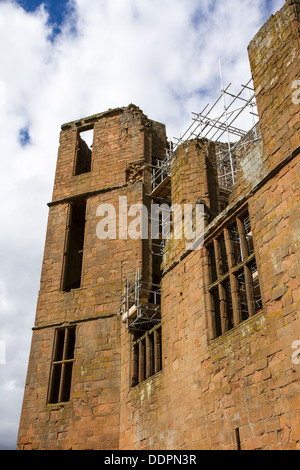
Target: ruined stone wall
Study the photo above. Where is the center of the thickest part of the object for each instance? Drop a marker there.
(274, 59)
(124, 140)
(210, 390)
(91, 419)
(193, 181)
(244, 379)
(243, 383)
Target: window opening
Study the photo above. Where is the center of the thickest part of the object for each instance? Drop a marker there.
(248, 234)
(146, 354)
(62, 365)
(83, 159)
(74, 246)
(232, 278)
(228, 304)
(237, 439)
(223, 256)
(256, 287)
(236, 244)
(212, 263)
(216, 308)
(242, 296)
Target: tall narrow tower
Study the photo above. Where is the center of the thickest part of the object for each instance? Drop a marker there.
(72, 394)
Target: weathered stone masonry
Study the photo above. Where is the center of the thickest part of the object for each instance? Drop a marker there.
(217, 390)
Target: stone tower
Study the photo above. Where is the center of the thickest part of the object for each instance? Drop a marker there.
(72, 395)
(135, 347)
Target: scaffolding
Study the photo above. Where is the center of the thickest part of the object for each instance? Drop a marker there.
(161, 177)
(226, 123)
(223, 123)
(140, 304)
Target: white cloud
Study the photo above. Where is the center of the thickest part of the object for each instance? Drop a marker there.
(161, 55)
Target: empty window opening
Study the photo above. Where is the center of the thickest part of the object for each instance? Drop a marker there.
(216, 308)
(212, 263)
(237, 439)
(73, 254)
(62, 365)
(146, 355)
(242, 295)
(227, 305)
(222, 257)
(84, 151)
(232, 278)
(236, 244)
(256, 287)
(248, 234)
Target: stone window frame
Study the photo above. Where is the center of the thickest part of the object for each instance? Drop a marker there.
(78, 204)
(233, 291)
(146, 355)
(62, 362)
(77, 154)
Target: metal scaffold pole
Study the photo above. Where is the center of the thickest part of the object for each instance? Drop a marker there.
(226, 120)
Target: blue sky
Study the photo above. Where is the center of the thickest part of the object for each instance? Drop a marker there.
(57, 10)
(61, 62)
